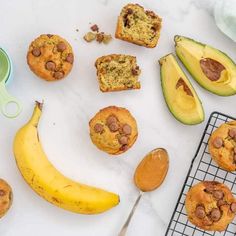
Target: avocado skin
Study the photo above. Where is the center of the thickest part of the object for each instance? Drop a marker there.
(231, 92)
(178, 117)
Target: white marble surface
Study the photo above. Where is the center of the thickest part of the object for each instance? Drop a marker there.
(70, 103)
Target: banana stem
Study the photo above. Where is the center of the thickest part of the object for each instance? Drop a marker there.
(36, 114)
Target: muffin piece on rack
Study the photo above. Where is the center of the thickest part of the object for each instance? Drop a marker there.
(222, 146)
(210, 205)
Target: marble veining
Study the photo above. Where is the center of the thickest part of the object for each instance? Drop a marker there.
(70, 103)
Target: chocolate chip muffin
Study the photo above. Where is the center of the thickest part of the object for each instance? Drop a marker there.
(50, 57)
(5, 197)
(117, 72)
(222, 146)
(113, 130)
(210, 206)
(138, 26)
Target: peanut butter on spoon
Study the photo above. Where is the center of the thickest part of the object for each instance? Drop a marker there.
(152, 170)
(148, 176)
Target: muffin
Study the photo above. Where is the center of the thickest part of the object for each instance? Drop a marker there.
(50, 57)
(222, 146)
(117, 72)
(5, 197)
(138, 26)
(113, 130)
(210, 206)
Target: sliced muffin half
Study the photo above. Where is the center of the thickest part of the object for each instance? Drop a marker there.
(117, 72)
(138, 26)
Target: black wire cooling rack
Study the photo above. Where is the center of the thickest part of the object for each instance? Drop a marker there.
(202, 168)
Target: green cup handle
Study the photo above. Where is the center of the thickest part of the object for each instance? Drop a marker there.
(5, 100)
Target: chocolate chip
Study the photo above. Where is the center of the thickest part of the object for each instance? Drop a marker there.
(36, 52)
(233, 207)
(218, 194)
(215, 214)
(98, 128)
(200, 212)
(100, 37)
(70, 58)
(209, 188)
(50, 35)
(151, 13)
(94, 28)
(124, 147)
(135, 71)
(211, 68)
(123, 140)
(126, 21)
(111, 119)
(218, 142)
(210, 185)
(129, 11)
(232, 132)
(155, 27)
(61, 47)
(221, 203)
(50, 65)
(58, 75)
(113, 127)
(2, 193)
(235, 150)
(126, 129)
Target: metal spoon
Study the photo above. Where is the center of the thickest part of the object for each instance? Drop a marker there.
(149, 175)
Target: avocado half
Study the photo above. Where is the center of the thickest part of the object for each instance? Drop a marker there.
(211, 68)
(179, 94)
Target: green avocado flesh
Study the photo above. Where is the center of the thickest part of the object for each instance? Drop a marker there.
(211, 68)
(180, 96)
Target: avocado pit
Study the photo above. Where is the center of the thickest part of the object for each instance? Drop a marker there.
(211, 68)
(180, 83)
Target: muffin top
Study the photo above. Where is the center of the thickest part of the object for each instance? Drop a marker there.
(222, 146)
(210, 205)
(50, 57)
(113, 130)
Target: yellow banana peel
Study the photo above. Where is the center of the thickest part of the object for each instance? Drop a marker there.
(48, 182)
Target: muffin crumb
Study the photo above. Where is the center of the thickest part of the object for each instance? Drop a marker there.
(89, 37)
(94, 28)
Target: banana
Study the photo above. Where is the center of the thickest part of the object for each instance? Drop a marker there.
(48, 182)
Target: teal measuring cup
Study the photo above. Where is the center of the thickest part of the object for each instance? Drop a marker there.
(6, 100)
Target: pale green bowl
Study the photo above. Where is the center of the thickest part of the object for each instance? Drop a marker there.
(6, 100)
